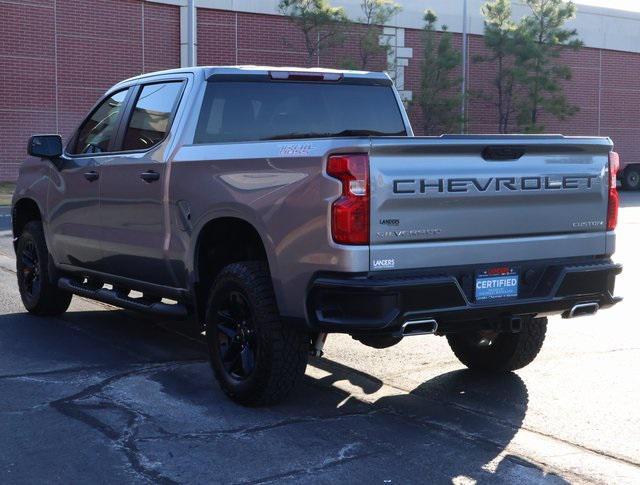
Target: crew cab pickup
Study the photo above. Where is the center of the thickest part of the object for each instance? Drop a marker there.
(278, 205)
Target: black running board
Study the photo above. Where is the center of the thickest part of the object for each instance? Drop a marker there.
(112, 297)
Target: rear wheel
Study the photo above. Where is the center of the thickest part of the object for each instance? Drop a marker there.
(38, 294)
(499, 352)
(256, 358)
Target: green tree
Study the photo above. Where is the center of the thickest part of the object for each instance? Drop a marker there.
(321, 24)
(501, 36)
(375, 13)
(544, 37)
(439, 95)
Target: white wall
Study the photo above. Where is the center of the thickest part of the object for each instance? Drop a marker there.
(598, 27)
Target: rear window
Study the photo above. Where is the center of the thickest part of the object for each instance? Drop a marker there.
(251, 111)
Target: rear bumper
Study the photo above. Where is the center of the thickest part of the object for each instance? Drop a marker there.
(370, 304)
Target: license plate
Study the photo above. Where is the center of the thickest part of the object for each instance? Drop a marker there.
(492, 284)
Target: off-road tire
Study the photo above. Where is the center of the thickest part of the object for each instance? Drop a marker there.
(631, 178)
(508, 351)
(282, 351)
(43, 298)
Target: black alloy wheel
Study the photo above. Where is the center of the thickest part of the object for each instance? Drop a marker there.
(255, 356)
(29, 272)
(40, 295)
(236, 335)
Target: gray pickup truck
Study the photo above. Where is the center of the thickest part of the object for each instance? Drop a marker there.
(279, 205)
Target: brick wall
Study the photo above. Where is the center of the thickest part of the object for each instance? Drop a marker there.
(58, 56)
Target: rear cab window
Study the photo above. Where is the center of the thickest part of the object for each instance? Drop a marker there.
(243, 111)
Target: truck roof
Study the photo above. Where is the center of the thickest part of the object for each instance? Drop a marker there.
(209, 71)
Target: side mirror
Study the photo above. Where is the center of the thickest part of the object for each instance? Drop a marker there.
(45, 146)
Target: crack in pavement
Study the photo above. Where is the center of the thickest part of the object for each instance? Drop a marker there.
(66, 370)
(124, 440)
(127, 439)
(298, 472)
(245, 431)
(74, 370)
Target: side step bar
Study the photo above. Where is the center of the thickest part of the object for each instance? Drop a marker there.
(112, 297)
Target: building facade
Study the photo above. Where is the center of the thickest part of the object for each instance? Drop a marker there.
(58, 56)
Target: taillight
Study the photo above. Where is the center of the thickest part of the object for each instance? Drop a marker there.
(614, 199)
(350, 212)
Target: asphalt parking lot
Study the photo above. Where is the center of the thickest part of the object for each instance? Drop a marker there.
(104, 395)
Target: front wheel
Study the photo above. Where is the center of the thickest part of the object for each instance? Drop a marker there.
(499, 352)
(39, 295)
(256, 358)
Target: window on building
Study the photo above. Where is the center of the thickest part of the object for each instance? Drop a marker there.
(151, 115)
(99, 128)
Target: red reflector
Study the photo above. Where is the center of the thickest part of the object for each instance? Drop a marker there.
(614, 198)
(498, 271)
(350, 212)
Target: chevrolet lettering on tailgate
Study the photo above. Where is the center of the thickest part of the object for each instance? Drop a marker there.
(493, 184)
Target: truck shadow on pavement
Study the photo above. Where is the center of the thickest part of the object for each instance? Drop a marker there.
(476, 415)
(126, 386)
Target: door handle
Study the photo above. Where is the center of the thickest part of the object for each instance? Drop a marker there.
(91, 176)
(150, 176)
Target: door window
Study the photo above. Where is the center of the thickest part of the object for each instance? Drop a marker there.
(98, 130)
(151, 116)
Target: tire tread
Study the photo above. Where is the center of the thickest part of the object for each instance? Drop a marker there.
(288, 348)
(52, 301)
(511, 352)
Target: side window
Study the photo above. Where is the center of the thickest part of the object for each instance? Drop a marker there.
(151, 115)
(96, 132)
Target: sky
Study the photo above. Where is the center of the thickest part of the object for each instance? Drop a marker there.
(633, 5)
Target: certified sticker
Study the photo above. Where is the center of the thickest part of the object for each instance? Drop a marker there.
(497, 283)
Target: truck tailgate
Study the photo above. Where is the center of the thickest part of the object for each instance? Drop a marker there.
(467, 191)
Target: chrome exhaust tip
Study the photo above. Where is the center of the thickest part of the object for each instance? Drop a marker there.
(419, 327)
(581, 310)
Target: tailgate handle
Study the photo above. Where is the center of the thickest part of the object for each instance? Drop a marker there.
(503, 153)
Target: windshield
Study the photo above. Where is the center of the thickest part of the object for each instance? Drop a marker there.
(251, 111)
